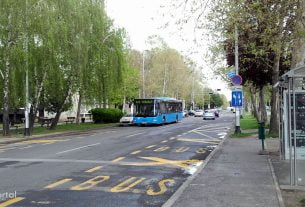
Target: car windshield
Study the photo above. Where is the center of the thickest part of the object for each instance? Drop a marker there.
(128, 115)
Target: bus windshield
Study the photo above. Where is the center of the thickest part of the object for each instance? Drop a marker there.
(143, 110)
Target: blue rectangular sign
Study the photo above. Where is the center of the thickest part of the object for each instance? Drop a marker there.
(237, 98)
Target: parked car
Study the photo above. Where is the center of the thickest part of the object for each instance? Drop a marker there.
(199, 113)
(216, 113)
(209, 115)
(126, 120)
(191, 112)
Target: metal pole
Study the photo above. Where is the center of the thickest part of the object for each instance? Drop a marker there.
(289, 131)
(143, 76)
(26, 111)
(294, 135)
(237, 116)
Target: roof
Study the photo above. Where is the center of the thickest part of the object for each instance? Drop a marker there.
(298, 72)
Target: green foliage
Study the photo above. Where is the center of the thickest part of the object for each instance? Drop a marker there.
(248, 122)
(106, 115)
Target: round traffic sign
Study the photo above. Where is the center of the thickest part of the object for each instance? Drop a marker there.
(236, 80)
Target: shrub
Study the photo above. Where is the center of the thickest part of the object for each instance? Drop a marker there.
(106, 115)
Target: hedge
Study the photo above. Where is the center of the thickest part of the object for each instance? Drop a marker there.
(106, 115)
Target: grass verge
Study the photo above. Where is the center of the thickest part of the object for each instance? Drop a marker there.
(242, 135)
(72, 127)
(248, 122)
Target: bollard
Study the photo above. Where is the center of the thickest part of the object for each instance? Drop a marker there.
(261, 133)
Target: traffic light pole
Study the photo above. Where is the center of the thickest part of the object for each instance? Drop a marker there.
(237, 109)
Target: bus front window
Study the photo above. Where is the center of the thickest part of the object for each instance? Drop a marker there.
(144, 110)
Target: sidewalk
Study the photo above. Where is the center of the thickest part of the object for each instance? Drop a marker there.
(236, 176)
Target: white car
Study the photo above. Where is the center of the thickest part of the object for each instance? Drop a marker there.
(209, 115)
(126, 120)
(199, 113)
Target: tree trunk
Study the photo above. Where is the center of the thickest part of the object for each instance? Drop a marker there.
(78, 107)
(263, 112)
(60, 110)
(274, 121)
(298, 52)
(253, 103)
(6, 104)
(6, 82)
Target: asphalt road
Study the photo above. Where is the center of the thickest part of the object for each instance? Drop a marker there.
(113, 167)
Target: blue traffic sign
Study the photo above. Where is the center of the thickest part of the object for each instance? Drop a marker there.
(236, 80)
(237, 98)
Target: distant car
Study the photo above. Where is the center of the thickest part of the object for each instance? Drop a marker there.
(209, 115)
(126, 120)
(185, 113)
(191, 112)
(216, 113)
(199, 113)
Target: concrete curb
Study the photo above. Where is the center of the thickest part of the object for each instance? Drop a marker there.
(171, 201)
(55, 134)
(277, 186)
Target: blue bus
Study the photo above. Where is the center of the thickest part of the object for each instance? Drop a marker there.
(156, 111)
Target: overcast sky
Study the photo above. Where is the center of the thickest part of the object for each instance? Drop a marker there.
(144, 18)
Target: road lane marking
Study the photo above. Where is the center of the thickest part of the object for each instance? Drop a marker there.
(172, 138)
(151, 146)
(136, 152)
(27, 147)
(90, 183)
(162, 186)
(78, 148)
(157, 161)
(201, 151)
(203, 134)
(164, 141)
(37, 141)
(118, 159)
(60, 182)
(182, 149)
(130, 182)
(11, 201)
(199, 140)
(133, 135)
(161, 149)
(93, 169)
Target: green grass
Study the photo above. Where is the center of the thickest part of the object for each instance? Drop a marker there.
(302, 202)
(71, 127)
(248, 122)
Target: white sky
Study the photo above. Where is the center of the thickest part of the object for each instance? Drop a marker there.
(144, 18)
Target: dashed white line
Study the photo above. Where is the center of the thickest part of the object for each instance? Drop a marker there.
(132, 135)
(78, 148)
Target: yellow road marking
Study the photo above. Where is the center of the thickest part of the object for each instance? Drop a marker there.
(160, 161)
(162, 187)
(135, 152)
(130, 182)
(42, 141)
(161, 149)
(11, 201)
(151, 146)
(164, 141)
(201, 151)
(118, 159)
(93, 169)
(198, 140)
(60, 182)
(90, 183)
(182, 149)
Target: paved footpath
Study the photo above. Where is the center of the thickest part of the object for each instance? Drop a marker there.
(235, 176)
